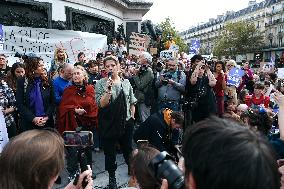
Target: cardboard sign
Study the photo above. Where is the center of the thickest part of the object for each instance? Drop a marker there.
(43, 43)
(235, 77)
(267, 67)
(3, 132)
(167, 54)
(153, 51)
(138, 43)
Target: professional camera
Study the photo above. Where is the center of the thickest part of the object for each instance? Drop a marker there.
(167, 77)
(163, 167)
(143, 69)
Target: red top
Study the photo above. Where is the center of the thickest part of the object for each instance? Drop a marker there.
(252, 100)
(218, 88)
(71, 99)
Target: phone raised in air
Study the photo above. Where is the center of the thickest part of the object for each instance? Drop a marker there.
(82, 138)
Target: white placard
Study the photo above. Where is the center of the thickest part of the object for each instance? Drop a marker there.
(138, 43)
(3, 131)
(280, 73)
(166, 54)
(43, 42)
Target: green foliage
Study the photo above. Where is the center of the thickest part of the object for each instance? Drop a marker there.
(238, 38)
(168, 29)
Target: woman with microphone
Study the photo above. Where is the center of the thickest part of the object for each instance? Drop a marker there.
(116, 101)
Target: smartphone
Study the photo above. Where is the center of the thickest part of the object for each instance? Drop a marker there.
(82, 138)
(142, 143)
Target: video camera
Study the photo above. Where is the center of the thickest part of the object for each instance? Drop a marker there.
(163, 167)
(25, 56)
(79, 139)
(167, 77)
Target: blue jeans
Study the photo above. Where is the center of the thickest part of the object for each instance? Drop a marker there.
(173, 105)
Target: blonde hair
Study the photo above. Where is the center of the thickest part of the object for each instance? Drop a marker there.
(56, 52)
(85, 74)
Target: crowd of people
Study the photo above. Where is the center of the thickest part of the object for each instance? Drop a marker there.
(123, 98)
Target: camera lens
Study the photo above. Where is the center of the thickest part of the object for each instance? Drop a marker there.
(164, 167)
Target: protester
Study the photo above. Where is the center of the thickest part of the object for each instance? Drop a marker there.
(115, 98)
(41, 154)
(219, 73)
(143, 84)
(77, 111)
(35, 97)
(171, 85)
(161, 130)
(17, 71)
(62, 81)
(200, 95)
(93, 72)
(81, 60)
(8, 106)
(258, 98)
(4, 69)
(60, 58)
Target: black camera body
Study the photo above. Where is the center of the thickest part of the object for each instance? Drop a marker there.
(163, 167)
(143, 69)
(167, 77)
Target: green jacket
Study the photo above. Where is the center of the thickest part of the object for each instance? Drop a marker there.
(143, 83)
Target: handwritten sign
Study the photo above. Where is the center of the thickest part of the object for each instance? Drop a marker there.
(3, 132)
(43, 43)
(267, 67)
(166, 54)
(235, 77)
(174, 47)
(138, 43)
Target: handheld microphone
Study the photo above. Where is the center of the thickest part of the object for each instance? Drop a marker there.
(109, 77)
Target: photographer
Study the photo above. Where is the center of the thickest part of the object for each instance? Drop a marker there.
(33, 160)
(201, 98)
(171, 85)
(143, 84)
(161, 130)
(217, 151)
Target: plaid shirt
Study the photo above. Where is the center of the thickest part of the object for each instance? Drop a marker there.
(7, 100)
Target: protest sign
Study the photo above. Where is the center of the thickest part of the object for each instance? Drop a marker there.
(43, 43)
(153, 51)
(280, 73)
(138, 43)
(3, 132)
(235, 77)
(174, 47)
(166, 54)
(267, 67)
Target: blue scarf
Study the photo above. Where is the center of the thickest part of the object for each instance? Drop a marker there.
(36, 101)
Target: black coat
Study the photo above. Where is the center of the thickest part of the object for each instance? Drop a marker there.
(155, 130)
(26, 113)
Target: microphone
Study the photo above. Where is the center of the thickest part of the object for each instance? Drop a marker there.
(109, 77)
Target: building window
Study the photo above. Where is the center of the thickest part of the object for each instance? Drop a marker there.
(280, 42)
(270, 42)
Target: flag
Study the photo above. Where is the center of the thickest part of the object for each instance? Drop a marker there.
(194, 46)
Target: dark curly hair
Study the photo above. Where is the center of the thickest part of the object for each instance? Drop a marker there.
(31, 65)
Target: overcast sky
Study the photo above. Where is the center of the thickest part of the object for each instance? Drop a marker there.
(185, 13)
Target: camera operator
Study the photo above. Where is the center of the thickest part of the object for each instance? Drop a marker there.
(34, 159)
(161, 130)
(142, 84)
(201, 98)
(219, 153)
(171, 85)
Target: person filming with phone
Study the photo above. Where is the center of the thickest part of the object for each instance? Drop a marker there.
(34, 159)
(77, 112)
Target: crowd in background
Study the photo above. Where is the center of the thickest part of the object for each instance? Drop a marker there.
(118, 95)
